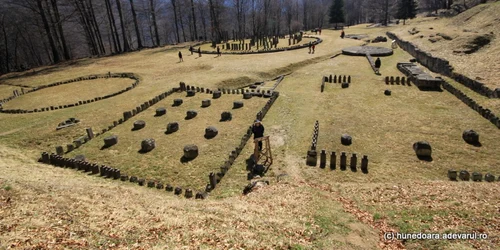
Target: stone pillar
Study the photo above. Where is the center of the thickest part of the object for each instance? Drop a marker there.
(59, 150)
(364, 164)
(213, 180)
(90, 134)
(322, 162)
(343, 161)
(354, 162)
(312, 158)
(333, 160)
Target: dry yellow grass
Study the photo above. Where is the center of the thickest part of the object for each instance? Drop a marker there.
(311, 209)
(7, 91)
(69, 93)
(72, 210)
(482, 65)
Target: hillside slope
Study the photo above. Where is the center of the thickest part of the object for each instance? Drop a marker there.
(469, 41)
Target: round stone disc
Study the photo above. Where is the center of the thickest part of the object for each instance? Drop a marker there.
(362, 50)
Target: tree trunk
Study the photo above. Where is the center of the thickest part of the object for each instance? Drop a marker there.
(137, 33)
(55, 53)
(97, 30)
(182, 27)
(61, 31)
(112, 33)
(126, 46)
(203, 21)
(89, 35)
(176, 21)
(194, 20)
(6, 42)
(155, 25)
(112, 25)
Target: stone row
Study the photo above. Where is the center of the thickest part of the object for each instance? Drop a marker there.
(50, 108)
(113, 173)
(269, 50)
(484, 112)
(312, 160)
(215, 178)
(337, 79)
(397, 80)
(192, 90)
(464, 175)
(443, 67)
(278, 81)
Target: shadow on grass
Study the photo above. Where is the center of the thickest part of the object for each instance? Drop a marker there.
(186, 160)
(425, 158)
(426, 89)
(477, 144)
(105, 147)
(208, 137)
(141, 151)
(135, 129)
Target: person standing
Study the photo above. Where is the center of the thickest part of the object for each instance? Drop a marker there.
(218, 51)
(191, 49)
(180, 57)
(378, 63)
(258, 132)
(342, 34)
(310, 46)
(199, 51)
(313, 48)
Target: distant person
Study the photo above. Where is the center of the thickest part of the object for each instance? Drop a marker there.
(313, 48)
(310, 47)
(199, 51)
(218, 51)
(258, 132)
(378, 63)
(320, 31)
(191, 49)
(180, 57)
(342, 34)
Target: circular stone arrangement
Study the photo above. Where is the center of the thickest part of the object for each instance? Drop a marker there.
(269, 50)
(78, 103)
(363, 50)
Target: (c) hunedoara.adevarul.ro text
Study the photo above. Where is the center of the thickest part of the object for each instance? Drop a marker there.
(435, 236)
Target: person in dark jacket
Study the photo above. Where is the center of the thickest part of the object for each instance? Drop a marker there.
(180, 57)
(191, 49)
(258, 132)
(199, 51)
(218, 51)
(378, 63)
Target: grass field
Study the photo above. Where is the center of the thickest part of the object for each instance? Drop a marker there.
(69, 93)
(311, 208)
(164, 162)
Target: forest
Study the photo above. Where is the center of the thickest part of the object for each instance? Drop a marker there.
(42, 32)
